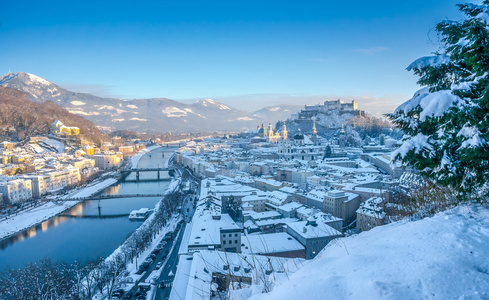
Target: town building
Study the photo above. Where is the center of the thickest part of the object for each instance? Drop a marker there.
(371, 214)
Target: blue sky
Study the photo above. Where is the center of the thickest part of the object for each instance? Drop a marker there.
(248, 54)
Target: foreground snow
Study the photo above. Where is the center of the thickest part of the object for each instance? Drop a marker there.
(443, 257)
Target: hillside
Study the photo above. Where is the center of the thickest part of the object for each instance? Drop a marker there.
(21, 118)
(442, 257)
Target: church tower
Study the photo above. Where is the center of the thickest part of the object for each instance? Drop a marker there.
(314, 136)
(284, 133)
(342, 138)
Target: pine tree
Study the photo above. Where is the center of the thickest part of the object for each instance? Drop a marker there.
(446, 124)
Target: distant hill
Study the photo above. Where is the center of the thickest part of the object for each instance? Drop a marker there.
(21, 118)
(277, 112)
(141, 115)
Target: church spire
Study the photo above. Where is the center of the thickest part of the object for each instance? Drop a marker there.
(314, 131)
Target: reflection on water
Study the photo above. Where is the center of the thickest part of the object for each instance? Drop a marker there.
(89, 230)
(112, 190)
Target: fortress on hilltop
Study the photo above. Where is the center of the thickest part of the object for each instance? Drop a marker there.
(310, 111)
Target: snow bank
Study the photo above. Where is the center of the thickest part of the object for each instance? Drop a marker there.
(92, 189)
(443, 257)
(32, 217)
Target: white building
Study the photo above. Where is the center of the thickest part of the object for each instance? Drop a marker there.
(16, 190)
(106, 161)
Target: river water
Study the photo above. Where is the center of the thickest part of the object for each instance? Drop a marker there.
(90, 229)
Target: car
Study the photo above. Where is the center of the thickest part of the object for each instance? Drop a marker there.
(128, 295)
(141, 297)
(139, 293)
(158, 265)
(152, 256)
(118, 293)
(167, 252)
(162, 285)
(156, 250)
(143, 286)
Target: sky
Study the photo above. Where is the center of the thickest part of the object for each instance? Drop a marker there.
(247, 54)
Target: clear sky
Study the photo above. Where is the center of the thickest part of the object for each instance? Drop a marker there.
(247, 54)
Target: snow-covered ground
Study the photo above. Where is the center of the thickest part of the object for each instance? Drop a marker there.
(46, 211)
(136, 157)
(92, 189)
(443, 257)
(53, 145)
(32, 217)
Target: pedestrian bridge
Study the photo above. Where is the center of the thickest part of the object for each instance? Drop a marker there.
(106, 197)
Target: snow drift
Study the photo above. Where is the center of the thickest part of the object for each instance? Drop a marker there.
(443, 257)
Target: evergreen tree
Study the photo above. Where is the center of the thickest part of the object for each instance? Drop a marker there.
(327, 152)
(446, 124)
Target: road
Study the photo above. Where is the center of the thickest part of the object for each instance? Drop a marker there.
(171, 265)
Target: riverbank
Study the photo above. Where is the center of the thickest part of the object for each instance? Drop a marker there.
(40, 214)
(136, 157)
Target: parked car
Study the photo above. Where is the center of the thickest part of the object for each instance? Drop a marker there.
(158, 265)
(139, 293)
(128, 295)
(118, 293)
(141, 297)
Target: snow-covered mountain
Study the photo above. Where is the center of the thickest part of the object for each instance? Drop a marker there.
(143, 115)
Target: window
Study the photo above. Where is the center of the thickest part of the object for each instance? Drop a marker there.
(235, 241)
(235, 234)
(224, 242)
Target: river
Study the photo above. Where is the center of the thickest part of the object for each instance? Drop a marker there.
(91, 229)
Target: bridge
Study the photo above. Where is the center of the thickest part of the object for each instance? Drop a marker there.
(106, 197)
(95, 216)
(139, 170)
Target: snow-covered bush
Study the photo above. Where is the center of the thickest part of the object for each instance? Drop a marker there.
(446, 124)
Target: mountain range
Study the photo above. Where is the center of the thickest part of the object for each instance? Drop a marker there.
(145, 115)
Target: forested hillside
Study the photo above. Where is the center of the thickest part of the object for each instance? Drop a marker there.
(21, 118)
